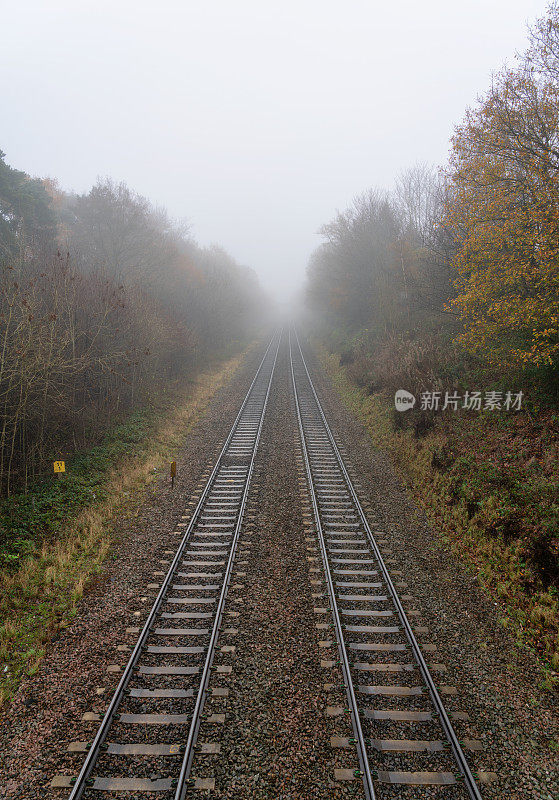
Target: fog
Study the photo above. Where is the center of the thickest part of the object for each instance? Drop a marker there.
(254, 121)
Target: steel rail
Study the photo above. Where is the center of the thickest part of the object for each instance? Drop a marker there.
(457, 751)
(81, 782)
(344, 659)
(202, 691)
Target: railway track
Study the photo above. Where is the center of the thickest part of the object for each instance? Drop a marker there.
(402, 734)
(147, 738)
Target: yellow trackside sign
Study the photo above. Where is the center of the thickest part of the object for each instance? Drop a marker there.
(59, 466)
(173, 468)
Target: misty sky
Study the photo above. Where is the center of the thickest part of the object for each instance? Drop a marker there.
(254, 120)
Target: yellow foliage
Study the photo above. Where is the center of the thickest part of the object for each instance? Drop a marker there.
(503, 209)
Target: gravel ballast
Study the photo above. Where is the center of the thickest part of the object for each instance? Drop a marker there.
(275, 742)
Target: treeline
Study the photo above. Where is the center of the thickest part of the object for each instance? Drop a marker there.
(449, 286)
(104, 303)
(470, 251)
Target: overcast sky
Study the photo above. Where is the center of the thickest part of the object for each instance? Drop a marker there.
(254, 120)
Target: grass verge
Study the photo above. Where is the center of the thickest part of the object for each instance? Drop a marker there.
(490, 500)
(61, 532)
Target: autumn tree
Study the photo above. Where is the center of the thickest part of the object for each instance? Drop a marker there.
(424, 248)
(504, 211)
(115, 230)
(384, 265)
(355, 277)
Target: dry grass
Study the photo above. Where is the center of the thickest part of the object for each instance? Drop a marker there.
(43, 594)
(529, 609)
